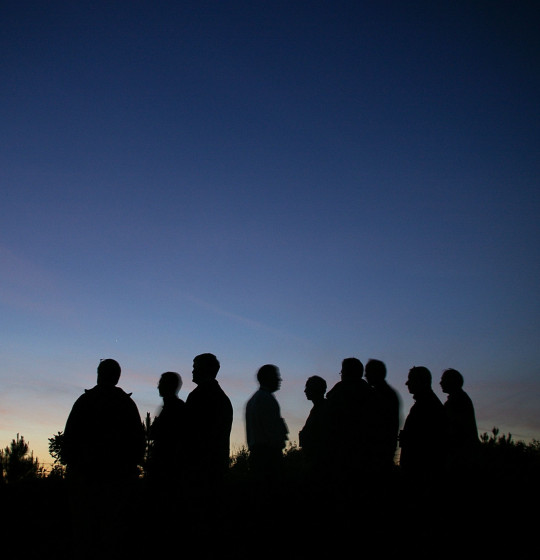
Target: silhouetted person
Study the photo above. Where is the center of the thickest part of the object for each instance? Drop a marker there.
(266, 430)
(209, 418)
(103, 446)
(387, 405)
(166, 466)
(423, 437)
(463, 442)
(104, 424)
(463, 448)
(168, 433)
(313, 437)
(266, 434)
(350, 410)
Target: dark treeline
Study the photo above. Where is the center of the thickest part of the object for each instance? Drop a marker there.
(354, 484)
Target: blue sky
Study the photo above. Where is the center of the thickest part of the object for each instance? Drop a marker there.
(273, 182)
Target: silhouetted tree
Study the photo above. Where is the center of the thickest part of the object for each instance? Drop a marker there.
(504, 458)
(58, 470)
(239, 460)
(148, 443)
(55, 448)
(17, 464)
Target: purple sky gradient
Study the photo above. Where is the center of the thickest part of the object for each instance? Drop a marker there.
(273, 182)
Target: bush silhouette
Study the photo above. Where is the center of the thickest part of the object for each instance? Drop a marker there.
(17, 463)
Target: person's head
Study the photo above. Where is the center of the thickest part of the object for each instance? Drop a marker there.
(352, 369)
(375, 372)
(315, 388)
(269, 377)
(451, 381)
(169, 384)
(108, 372)
(205, 368)
(419, 380)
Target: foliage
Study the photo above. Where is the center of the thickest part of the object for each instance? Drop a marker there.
(506, 443)
(55, 448)
(148, 444)
(502, 456)
(17, 464)
(58, 470)
(238, 462)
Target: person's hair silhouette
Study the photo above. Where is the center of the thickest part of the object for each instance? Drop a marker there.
(108, 372)
(451, 381)
(419, 380)
(269, 377)
(375, 372)
(315, 388)
(352, 369)
(205, 368)
(169, 384)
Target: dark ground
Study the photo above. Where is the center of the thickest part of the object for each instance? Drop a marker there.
(495, 517)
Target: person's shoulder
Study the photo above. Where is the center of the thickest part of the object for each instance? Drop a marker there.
(193, 394)
(177, 407)
(391, 393)
(365, 388)
(219, 388)
(218, 391)
(118, 394)
(252, 398)
(320, 408)
(81, 404)
(387, 388)
(335, 390)
(434, 404)
(174, 403)
(89, 393)
(260, 395)
(87, 396)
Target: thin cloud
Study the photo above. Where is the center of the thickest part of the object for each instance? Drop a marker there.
(256, 325)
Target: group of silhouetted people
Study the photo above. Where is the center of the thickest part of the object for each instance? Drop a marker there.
(353, 429)
(104, 444)
(351, 435)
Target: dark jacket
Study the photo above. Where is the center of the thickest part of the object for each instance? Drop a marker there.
(168, 435)
(313, 437)
(463, 442)
(209, 417)
(104, 436)
(423, 437)
(351, 423)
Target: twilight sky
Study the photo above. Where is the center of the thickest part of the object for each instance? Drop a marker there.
(273, 182)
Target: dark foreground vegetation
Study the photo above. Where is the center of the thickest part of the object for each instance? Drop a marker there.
(490, 512)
